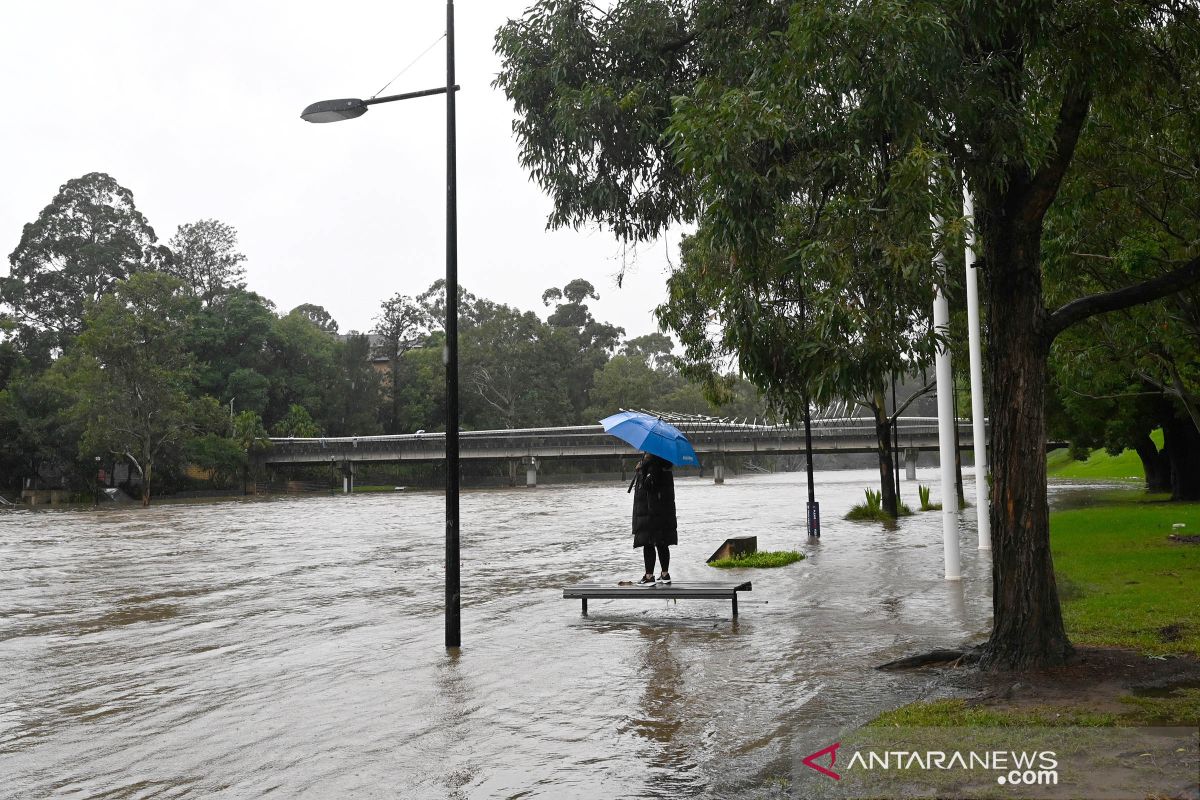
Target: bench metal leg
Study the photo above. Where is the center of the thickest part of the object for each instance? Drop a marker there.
(735, 605)
(585, 606)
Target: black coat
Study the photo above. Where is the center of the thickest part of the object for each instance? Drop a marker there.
(654, 520)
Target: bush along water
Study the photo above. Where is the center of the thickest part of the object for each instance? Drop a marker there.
(923, 492)
(873, 509)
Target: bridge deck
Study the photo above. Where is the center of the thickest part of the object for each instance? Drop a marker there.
(681, 590)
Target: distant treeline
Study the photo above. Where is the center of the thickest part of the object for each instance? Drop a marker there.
(115, 348)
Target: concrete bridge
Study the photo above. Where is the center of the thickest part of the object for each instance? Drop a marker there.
(712, 439)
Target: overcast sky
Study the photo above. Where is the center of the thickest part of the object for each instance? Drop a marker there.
(194, 106)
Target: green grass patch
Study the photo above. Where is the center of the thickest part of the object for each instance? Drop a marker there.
(1099, 465)
(1178, 707)
(957, 714)
(1175, 707)
(872, 509)
(763, 559)
(1126, 584)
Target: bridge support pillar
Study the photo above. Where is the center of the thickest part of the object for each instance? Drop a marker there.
(719, 472)
(910, 463)
(531, 469)
(347, 477)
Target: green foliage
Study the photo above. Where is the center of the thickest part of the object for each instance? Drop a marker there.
(204, 256)
(1097, 464)
(131, 375)
(298, 423)
(923, 493)
(873, 509)
(89, 236)
(318, 316)
(249, 433)
(760, 560)
(224, 458)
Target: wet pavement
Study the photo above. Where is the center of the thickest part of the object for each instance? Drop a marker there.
(294, 647)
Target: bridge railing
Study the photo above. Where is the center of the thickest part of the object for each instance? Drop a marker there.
(705, 436)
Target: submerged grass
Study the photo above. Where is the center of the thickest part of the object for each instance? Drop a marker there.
(872, 509)
(763, 559)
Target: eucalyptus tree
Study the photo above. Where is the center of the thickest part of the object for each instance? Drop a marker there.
(513, 378)
(132, 374)
(588, 341)
(401, 325)
(89, 236)
(205, 257)
(724, 113)
(303, 372)
(317, 315)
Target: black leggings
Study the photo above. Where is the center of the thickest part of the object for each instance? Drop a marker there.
(664, 557)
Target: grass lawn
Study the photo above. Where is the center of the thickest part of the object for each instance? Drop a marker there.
(1122, 582)
(1099, 464)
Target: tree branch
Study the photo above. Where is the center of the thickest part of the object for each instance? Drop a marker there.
(1144, 292)
(929, 387)
(1043, 188)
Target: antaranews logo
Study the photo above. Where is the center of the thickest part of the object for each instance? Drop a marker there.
(1013, 768)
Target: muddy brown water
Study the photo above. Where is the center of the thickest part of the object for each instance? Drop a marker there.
(294, 647)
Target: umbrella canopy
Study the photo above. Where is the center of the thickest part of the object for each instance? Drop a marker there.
(651, 435)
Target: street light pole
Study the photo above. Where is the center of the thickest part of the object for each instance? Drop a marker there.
(453, 622)
(350, 108)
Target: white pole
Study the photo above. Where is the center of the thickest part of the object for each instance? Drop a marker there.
(982, 491)
(946, 431)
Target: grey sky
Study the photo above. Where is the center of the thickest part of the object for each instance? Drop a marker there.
(194, 106)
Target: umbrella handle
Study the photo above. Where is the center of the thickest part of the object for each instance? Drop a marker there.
(631, 483)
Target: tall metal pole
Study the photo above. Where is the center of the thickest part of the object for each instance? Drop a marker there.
(895, 443)
(979, 432)
(814, 508)
(946, 426)
(453, 621)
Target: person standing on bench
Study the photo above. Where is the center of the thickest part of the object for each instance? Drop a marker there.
(655, 527)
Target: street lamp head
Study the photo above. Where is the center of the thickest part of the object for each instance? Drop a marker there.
(334, 110)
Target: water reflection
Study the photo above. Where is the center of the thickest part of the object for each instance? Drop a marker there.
(293, 647)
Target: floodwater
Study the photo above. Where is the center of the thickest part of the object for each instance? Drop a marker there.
(294, 647)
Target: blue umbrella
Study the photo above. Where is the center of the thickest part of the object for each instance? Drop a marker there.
(651, 435)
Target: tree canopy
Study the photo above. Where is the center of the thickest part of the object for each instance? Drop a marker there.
(797, 136)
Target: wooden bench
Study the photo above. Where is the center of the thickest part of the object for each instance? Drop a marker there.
(680, 590)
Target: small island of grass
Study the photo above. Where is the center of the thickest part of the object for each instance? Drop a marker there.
(873, 509)
(766, 558)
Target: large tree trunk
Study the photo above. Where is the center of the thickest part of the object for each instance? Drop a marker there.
(1181, 443)
(883, 447)
(1027, 626)
(1155, 464)
(146, 485)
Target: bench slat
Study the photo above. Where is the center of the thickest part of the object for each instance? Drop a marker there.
(680, 590)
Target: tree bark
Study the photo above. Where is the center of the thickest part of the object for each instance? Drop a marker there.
(1155, 464)
(1027, 626)
(146, 485)
(883, 447)
(1181, 443)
